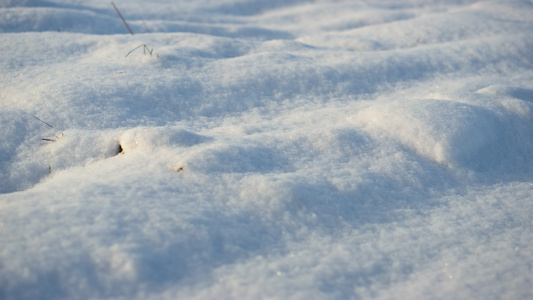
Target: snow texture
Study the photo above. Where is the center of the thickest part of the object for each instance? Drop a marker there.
(248, 149)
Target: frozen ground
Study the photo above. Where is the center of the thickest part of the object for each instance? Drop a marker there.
(266, 150)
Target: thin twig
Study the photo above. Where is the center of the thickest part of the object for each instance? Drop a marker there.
(121, 17)
(42, 121)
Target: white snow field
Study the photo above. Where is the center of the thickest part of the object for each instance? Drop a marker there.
(251, 149)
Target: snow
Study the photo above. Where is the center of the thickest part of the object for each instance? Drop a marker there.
(266, 149)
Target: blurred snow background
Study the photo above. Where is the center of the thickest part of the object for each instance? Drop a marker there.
(266, 150)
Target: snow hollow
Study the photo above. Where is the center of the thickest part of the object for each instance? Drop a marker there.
(247, 149)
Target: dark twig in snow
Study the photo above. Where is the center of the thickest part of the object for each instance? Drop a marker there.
(121, 17)
(42, 121)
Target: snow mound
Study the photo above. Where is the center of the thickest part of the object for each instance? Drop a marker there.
(449, 133)
(509, 91)
(29, 158)
(517, 100)
(152, 138)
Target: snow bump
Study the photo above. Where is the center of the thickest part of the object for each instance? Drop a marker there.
(450, 133)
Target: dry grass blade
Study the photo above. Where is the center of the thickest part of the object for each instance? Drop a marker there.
(145, 49)
(121, 17)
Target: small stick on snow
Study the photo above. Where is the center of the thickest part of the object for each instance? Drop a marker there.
(42, 121)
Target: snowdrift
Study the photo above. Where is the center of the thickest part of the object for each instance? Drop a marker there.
(245, 149)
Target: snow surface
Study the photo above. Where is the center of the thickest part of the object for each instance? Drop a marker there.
(266, 149)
